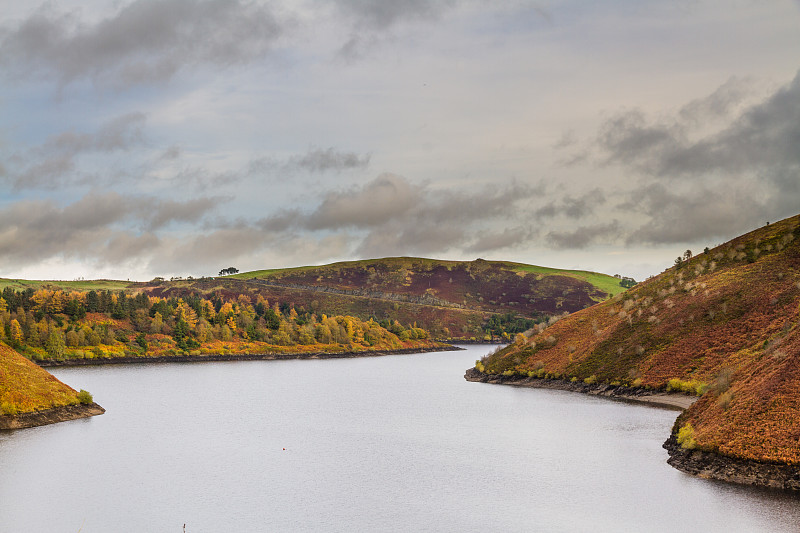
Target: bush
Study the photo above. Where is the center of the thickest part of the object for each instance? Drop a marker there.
(686, 437)
(7, 408)
(84, 397)
(591, 380)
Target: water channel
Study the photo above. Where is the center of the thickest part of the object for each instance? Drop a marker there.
(394, 443)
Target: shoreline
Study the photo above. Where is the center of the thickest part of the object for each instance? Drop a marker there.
(669, 400)
(695, 462)
(51, 363)
(49, 416)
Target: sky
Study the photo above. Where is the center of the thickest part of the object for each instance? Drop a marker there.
(175, 138)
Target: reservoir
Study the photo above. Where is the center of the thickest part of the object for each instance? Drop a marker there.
(394, 443)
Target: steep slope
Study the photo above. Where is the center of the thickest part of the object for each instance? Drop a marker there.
(724, 324)
(31, 396)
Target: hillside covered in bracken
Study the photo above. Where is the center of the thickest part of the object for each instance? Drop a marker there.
(723, 324)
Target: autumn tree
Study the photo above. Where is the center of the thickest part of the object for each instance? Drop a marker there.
(15, 332)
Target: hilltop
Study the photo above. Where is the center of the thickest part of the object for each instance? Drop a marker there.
(723, 325)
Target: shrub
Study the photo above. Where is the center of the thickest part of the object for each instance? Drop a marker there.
(686, 437)
(84, 397)
(591, 380)
(7, 408)
(724, 399)
(479, 366)
(692, 387)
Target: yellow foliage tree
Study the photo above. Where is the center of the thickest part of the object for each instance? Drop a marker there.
(16, 331)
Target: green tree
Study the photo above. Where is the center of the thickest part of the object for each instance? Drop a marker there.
(55, 345)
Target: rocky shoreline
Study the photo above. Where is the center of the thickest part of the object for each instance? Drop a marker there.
(50, 416)
(675, 401)
(704, 464)
(239, 357)
(710, 465)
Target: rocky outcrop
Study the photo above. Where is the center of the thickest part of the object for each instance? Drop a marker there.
(50, 416)
(712, 465)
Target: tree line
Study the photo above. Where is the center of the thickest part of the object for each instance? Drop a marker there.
(56, 320)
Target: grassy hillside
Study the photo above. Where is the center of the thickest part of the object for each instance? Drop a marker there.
(724, 325)
(79, 285)
(25, 387)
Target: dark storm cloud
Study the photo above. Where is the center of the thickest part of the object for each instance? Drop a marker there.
(584, 236)
(145, 41)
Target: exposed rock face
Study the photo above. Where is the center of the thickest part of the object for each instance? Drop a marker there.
(711, 465)
(50, 416)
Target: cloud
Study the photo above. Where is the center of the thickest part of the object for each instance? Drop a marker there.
(584, 236)
(161, 213)
(371, 22)
(489, 241)
(384, 198)
(314, 161)
(53, 163)
(572, 207)
(692, 184)
(319, 161)
(143, 42)
(764, 137)
(411, 239)
(98, 227)
(120, 133)
(677, 216)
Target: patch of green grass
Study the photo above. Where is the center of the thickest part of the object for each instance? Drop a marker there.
(604, 282)
(82, 285)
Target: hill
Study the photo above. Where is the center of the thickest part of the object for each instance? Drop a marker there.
(452, 299)
(724, 325)
(31, 396)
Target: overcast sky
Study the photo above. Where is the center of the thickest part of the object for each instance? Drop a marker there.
(178, 137)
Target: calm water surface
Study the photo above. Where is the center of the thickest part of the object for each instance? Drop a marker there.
(397, 443)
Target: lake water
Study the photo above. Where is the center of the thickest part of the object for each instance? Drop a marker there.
(396, 443)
